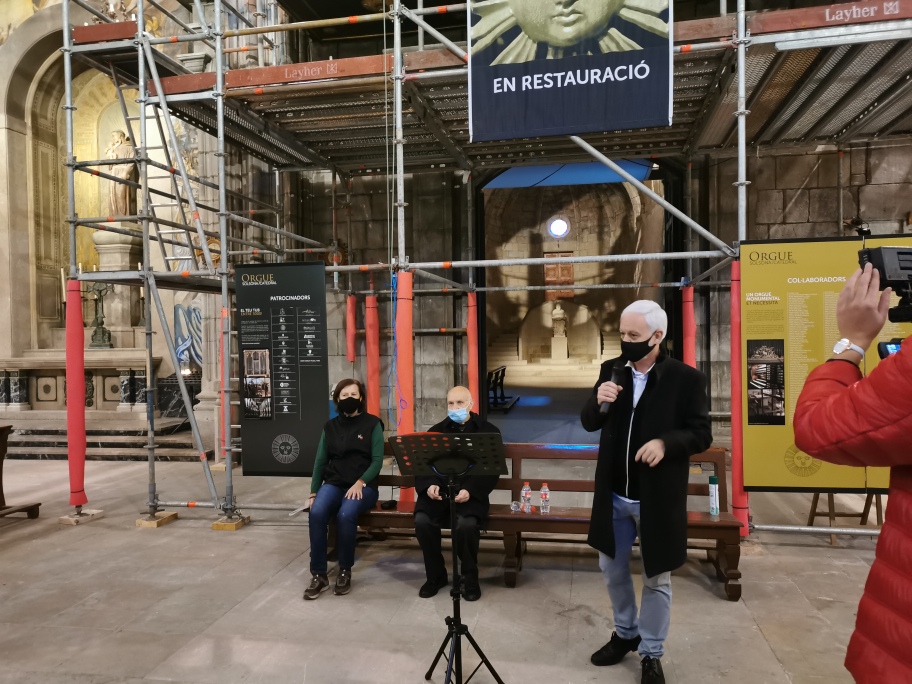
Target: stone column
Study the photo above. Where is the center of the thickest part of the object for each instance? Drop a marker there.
(121, 306)
(4, 389)
(19, 391)
(126, 391)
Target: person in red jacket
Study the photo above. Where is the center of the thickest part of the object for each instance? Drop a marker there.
(847, 419)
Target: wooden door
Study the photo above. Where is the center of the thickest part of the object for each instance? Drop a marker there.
(558, 274)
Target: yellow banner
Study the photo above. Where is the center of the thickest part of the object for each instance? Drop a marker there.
(788, 326)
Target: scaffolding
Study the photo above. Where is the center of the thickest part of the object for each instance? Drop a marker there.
(265, 112)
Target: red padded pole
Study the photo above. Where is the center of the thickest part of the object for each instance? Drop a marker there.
(690, 326)
(76, 388)
(740, 501)
(405, 365)
(351, 327)
(472, 339)
(372, 339)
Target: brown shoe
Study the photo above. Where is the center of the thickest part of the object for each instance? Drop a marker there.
(343, 583)
(318, 584)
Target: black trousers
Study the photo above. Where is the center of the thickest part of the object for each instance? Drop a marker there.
(466, 537)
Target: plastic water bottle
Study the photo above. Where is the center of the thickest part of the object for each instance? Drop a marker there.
(713, 495)
(545, 495)
(525, 494)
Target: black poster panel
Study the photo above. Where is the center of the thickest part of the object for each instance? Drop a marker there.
(550, 67)
(281, 314)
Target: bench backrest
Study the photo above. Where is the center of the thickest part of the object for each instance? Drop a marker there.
(496, 383)
(518, 453)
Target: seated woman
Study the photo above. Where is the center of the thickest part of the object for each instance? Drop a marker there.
(349, 458)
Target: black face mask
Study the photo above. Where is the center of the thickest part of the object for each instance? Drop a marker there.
(349, 405)
(634, 351)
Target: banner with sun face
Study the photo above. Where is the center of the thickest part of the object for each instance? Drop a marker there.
(564, 67)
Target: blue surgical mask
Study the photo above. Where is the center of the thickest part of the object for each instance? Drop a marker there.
(458, 415)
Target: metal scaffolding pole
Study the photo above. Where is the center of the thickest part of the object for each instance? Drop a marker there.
(225, 319)
(423, 25)
(742, 41)
(68, 109)
(537, 261)
(150, 60)
(342, 21)
(711, 271)
(152, 289)
(399, 140)
(597, 286)
(442, 280)
(661, 201)
(804, 529)
(151, 391)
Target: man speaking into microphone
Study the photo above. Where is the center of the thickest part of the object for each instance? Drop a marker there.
(654, 415)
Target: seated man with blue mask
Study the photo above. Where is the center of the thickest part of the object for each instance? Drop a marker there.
(432, 509)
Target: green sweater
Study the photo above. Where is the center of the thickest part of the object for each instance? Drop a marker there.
(372, 471)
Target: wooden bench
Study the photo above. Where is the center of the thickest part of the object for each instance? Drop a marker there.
(497, 399)
(517, 529)
(31, 510)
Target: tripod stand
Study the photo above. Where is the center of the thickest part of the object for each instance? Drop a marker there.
(452, 457)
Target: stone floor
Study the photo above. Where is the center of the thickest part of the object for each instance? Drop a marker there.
(108, 602)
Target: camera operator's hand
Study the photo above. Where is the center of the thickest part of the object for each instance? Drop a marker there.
(862, 309)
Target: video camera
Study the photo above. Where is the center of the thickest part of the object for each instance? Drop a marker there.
(895, 267)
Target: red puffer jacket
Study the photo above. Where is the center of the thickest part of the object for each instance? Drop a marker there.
(843, 419)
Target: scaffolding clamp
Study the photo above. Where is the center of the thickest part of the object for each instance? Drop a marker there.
(741, 41)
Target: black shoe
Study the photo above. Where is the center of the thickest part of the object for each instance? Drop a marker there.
(431, 587)
(343, 583)
(471, 591)
(652, 671)
(318, 584)
(612, 652)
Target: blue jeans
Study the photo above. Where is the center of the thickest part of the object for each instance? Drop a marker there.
(655, 612)
(331, 502)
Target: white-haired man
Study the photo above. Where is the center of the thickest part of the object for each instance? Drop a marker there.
(657, 416)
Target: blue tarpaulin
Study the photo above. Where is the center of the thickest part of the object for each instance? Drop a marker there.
(589, 173)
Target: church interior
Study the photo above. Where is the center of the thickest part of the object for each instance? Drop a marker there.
(149, 147)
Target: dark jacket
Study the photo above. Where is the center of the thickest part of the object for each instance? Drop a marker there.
(842, 418)
(351, 447)
(478, 487)
(674, 408)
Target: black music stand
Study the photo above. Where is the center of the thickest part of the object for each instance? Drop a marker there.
(452, 456)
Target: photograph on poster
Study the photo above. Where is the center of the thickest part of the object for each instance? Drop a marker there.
(257, 385)
(765, 382)
(527, 30)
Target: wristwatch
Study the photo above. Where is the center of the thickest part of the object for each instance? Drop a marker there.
(844, 345)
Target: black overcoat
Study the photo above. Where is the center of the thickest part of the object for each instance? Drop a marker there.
(674, 408)
(479, 487)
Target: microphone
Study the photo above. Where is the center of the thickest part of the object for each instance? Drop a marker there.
(617, 374)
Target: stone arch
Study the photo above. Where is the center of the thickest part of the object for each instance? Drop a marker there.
(26, 55)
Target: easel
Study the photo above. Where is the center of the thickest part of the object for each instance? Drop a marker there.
(452, 456)
(831, 513)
